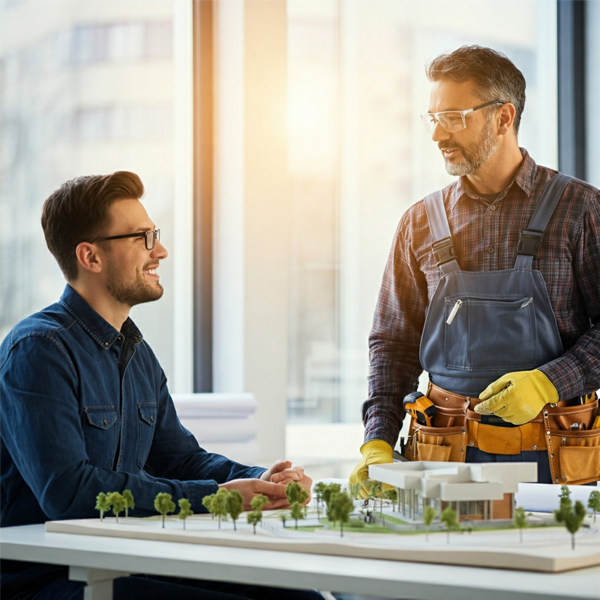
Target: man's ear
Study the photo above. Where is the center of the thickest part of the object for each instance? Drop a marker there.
(506, 118)
(87, 255)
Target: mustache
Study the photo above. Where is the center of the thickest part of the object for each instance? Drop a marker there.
(446, 145)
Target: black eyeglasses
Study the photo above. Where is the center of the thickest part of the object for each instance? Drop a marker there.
(150, 237)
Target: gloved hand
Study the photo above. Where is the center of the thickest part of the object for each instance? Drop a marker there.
(517, 397)
(375, 452)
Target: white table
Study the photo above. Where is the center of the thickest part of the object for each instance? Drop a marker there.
(98, 560)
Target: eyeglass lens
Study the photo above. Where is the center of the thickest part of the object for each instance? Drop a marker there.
(151, 237)
(450, 121)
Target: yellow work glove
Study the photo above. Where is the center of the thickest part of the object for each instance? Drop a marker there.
(375, 452)
(517, 397)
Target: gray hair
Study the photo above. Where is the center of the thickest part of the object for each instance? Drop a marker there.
(495, 76)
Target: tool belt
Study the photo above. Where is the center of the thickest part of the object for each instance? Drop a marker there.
(562, 429)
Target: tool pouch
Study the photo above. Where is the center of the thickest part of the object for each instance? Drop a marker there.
(574, 455)
(446, 441)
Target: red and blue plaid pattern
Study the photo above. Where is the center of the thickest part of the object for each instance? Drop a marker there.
(485, 238)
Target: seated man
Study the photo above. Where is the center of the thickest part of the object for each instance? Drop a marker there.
(85, 404)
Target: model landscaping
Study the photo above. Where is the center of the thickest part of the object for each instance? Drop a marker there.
(390, 523)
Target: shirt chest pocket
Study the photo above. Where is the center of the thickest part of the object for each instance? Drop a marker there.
(100, 434)
(146, 425)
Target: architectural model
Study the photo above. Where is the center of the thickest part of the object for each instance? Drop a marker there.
(479, 495)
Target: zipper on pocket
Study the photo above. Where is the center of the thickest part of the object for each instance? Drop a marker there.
(453, 312)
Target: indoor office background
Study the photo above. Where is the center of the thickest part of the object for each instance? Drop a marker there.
(279, 142)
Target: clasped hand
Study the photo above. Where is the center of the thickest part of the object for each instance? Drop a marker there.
(272, 484)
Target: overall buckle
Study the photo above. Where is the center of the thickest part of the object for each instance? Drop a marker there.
(443, 251)
(530, 242)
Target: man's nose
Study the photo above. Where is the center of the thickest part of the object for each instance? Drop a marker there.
(439, 133)
(159, 251)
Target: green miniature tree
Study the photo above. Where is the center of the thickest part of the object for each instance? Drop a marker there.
(319, 489)
(102, 504)
(374, 490)
(296, 493)
(117, 503)
(185, 509)
(297, 513)
(354, 490)
(234, 505)
(429, 515)
(219, 505)
(520, 521)
(253, 518)
(594, 502)
(571, 516)
(207, 503)
(129, 501)
(259, 502)
(163, 503)
(332, 488)
(448, 518)
(340, 507)
(283, 519)
(392, 496)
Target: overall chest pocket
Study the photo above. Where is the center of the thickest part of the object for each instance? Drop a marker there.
(147, 423)
(101, 434)
(490, 334)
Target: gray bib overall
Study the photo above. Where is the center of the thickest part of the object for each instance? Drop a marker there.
(482, 325)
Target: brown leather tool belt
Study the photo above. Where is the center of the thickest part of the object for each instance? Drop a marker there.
(563, 429)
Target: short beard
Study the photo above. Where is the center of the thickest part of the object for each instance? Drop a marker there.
(133, 293)
(476, 156)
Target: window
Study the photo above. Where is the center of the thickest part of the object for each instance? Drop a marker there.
(61, 116)
(359, 157)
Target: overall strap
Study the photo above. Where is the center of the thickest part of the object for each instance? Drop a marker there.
(442, 247)
(531, 238)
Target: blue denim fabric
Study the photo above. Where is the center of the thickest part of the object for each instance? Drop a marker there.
(71, 427)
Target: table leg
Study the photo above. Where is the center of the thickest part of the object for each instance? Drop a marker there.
(99, 581)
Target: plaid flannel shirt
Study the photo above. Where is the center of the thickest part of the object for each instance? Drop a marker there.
(485, 237)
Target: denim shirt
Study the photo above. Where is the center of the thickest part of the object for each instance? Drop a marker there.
(86, 409)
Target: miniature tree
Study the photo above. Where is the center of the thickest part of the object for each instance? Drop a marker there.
(297, 512)
(253, 518)
(102, 504)
(319, 489)
(296, 493)
(283, 519)
(185, 509)
(392, 496)
(594, 502)
(332, 488)
(259, 502)
(117, 502)
(448, 518)
(163, 503)
(571, 516)
(219, 505)
(234, 505)
(354, 490)
(129, 501)
(207, 503)
(340, 507)
(374, 490)
(429, 515)
(520, 520)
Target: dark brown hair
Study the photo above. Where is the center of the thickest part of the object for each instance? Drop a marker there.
(78, 212)
(495, 76)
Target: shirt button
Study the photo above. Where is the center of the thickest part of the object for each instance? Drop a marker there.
(106, 421)
(151, 417)
(491, 249)
(492, 207)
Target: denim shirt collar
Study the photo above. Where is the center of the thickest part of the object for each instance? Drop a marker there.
(100, 330)
(524, 178)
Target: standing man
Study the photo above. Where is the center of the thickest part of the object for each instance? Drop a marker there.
(493, 287)
(85, 404)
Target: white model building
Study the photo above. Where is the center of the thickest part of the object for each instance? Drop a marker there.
(479, 491)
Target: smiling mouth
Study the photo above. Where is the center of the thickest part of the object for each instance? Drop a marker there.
(152, 272)
(450, 152)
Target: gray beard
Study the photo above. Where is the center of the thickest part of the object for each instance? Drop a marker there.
(474, 159)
